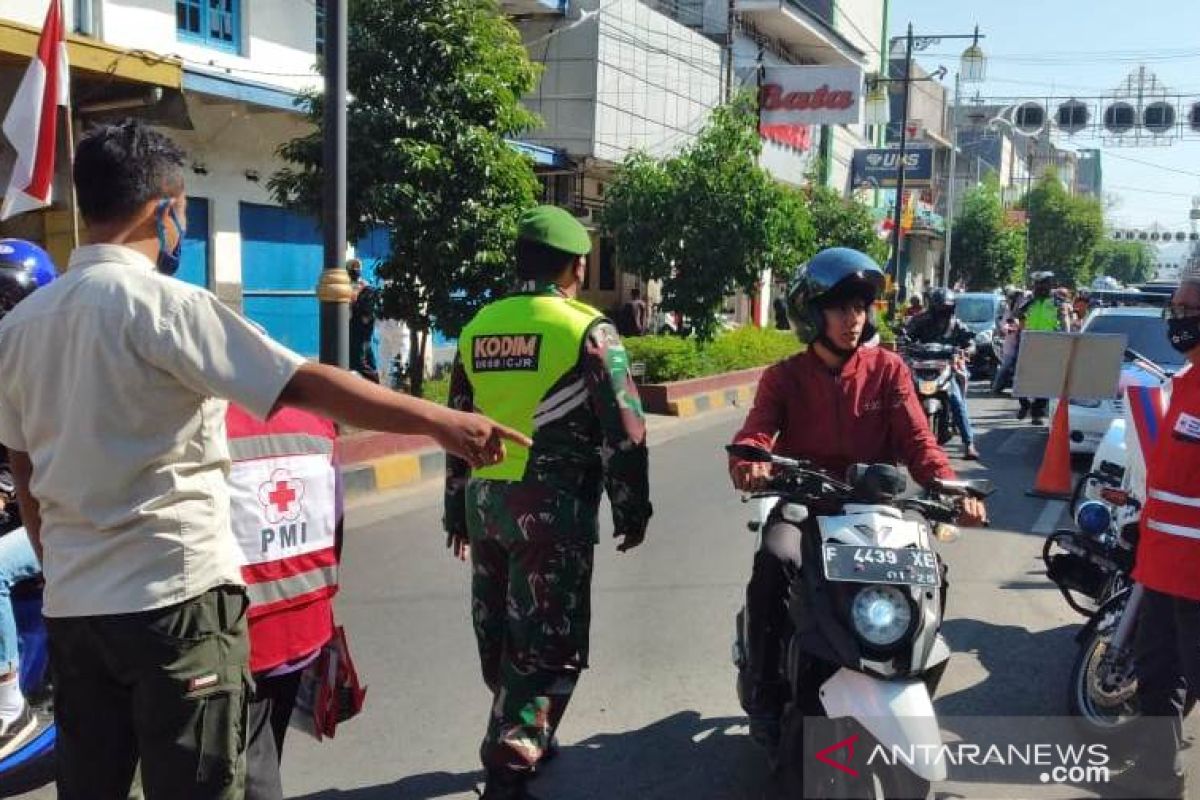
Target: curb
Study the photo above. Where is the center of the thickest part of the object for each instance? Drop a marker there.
(695, 404)
(391, 472)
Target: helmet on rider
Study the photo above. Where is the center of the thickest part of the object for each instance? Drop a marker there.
(941, 303)
(23, 267)
(832, 278)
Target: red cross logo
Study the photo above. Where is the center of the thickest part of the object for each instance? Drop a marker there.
(281, 497)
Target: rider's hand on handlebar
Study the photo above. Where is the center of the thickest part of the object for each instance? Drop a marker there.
(972, 513)
(750, 476)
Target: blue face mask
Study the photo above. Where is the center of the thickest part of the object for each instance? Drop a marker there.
(168, 260)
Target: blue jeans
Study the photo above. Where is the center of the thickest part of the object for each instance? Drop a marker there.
(958, 408)
(17, 562)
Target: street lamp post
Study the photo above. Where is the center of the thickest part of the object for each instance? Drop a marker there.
(972, 68)
(333, 289)
(950, 189)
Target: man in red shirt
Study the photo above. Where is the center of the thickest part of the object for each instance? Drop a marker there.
(1168, 563)
(836, 404)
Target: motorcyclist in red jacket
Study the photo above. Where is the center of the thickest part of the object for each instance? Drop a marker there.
(842, 401)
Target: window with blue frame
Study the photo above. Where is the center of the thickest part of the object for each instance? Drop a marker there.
(213, 23)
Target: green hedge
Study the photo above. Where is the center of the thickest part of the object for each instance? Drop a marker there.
(670, 358)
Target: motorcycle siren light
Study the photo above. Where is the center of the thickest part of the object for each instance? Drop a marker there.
(1094, 518)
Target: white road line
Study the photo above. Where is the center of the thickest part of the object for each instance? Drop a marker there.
(1048, 519)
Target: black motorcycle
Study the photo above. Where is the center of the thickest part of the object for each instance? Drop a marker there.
(1095, 562)
(932, 367)
(866, 608)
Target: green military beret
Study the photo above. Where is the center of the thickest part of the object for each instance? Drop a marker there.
(555, 227)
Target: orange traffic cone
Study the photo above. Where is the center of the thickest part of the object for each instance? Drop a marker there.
(1054, 476)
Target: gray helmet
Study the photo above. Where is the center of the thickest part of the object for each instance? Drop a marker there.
(832, 275)
(1041, 277)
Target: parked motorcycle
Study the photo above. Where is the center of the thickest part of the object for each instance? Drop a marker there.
(933, 368)
(32, 764)
(866, 607)
(1097, 561)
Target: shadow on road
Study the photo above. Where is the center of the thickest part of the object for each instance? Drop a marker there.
(1010, 654)
(683, 755)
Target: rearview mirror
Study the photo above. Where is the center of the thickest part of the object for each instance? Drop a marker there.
(979, 488)
(749, 452)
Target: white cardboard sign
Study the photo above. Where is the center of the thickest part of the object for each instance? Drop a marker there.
(1095, 368)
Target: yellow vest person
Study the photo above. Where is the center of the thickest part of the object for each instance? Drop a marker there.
(555, 369)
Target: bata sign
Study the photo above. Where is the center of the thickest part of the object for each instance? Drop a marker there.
(811, 96)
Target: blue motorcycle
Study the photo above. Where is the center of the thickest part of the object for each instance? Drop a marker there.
(32, 764)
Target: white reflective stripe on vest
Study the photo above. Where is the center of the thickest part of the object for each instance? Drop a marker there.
(292, 586)
(283, 506)
(1173, 530)
(1177, 499)
(279, 444)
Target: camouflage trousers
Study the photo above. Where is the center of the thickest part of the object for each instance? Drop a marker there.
(531, 609)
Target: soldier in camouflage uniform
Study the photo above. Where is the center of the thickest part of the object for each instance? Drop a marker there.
(555, 369)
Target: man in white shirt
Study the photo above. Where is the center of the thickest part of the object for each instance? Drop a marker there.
(113, 408)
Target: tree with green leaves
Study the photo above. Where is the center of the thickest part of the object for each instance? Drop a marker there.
(1063, 230)
(987, 251)
(708, 221)
(1127, 262)
(842, 222)
(435, 88)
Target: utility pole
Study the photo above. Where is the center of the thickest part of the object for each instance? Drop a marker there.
(898, 210)
(333, 289)
(953, 179)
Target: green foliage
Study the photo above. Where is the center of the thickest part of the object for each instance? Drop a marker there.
(667, 358)
(1064, 230)
(670, 358)
(987, 251)
(435, 87)
(1128, 262)
(840, 222)
(708, 221)
(749, 347)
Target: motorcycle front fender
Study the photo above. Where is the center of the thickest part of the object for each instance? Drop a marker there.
(931, 405)
(1116, 602)
(899, 714)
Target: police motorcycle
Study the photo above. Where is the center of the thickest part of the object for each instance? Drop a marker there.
(866, 607)
(32, 764)
(933, 368)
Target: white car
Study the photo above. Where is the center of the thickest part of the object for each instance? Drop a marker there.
(1146, 334)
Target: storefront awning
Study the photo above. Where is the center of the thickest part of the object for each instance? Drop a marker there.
(18, 43)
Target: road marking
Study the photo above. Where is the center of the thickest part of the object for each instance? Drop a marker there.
(1048, 519)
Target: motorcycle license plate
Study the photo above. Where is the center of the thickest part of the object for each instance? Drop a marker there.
(858, 564)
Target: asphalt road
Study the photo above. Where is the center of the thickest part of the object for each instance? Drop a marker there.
(656, 717)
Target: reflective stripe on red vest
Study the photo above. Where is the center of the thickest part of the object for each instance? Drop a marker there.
(1168, 558)
(284, 508)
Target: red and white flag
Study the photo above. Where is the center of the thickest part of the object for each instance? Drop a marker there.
(31, 124)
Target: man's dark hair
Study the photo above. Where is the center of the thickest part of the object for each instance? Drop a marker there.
(118, 168)
(636, 294)
(539, 262)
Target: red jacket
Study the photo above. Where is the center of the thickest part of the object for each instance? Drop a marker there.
(868, 413)
(1168, 556)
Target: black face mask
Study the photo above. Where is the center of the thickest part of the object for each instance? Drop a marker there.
(1184, 334)
(1041, 291)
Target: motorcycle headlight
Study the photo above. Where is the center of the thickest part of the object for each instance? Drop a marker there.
(1093, 517)
(928, 387)
(983, 338)
(880, 615)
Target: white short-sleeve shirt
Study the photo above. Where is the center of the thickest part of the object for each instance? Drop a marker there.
(114, 380)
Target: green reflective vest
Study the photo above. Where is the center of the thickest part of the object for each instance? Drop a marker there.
(1042, 315)
(514, 352)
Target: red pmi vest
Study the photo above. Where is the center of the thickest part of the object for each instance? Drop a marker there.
(285, 511)
(1168, 557)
